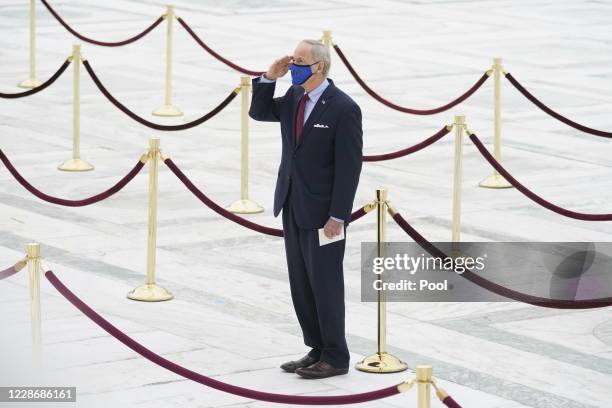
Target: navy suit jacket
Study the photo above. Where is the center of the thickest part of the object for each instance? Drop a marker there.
(323, 169)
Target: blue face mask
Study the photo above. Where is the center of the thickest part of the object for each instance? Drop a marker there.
(300, 73)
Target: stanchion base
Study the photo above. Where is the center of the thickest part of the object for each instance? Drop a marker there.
(495, 181)
(168, 110)
(30, 83)
(150, 293)
(75, 165)
(245, 207)
(381, 363)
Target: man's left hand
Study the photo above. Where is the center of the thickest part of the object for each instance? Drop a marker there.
(332, 228)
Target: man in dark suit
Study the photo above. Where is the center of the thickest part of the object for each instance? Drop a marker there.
(317, 180)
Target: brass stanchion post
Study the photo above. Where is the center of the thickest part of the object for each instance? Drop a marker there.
(33, 251)
(32, 82)
(76, 163)
(168, 109)
(496, 180)
(327, 38)
(150, 291)
(381, 361)
(424, 381)
(456, 223)
(244, 205)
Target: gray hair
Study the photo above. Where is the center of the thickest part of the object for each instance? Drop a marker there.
(319, 52)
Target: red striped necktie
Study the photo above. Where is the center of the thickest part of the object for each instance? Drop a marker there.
(299, 118)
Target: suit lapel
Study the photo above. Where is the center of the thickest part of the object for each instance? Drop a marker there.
(322, 103)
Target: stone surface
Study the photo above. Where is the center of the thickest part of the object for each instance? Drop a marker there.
(232, 317)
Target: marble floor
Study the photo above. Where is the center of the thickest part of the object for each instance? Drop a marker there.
(232, 317)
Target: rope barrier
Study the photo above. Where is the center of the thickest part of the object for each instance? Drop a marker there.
(391, 105)
(8, 272)
(73, 203)
(208, 381)
(40, 87)
(213, 53)
(101, 43)
(359, 213)
(444, 397)
(494, 287)
(450, 402)
(229, 215)
(152, 125)
(552, 113)
(412, 149)
(216, 207)
(13, 269)
(530, 194)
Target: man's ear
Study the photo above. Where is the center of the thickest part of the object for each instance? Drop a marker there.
(321, 65)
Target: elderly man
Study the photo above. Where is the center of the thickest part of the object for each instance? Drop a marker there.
(317, 180)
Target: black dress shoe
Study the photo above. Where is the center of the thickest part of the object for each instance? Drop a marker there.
(320, 369)
(291, 366)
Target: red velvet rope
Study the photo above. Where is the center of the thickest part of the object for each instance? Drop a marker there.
(450, 402)
(409, 150)
(554, 114)
(213, 53)
(530, 194)
(208, 381)
(8, 272)
(391, 105)
(96, 42)
(70, 203)
(39, 88)
(358, 214)
(147, 123)
(229, 215)
(498, 289)
(216, 207)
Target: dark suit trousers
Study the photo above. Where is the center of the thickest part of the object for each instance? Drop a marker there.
(317, 289)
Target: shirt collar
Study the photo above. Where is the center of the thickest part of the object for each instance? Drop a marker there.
(316, 93)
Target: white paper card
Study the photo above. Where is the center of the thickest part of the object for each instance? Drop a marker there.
(323, 240)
